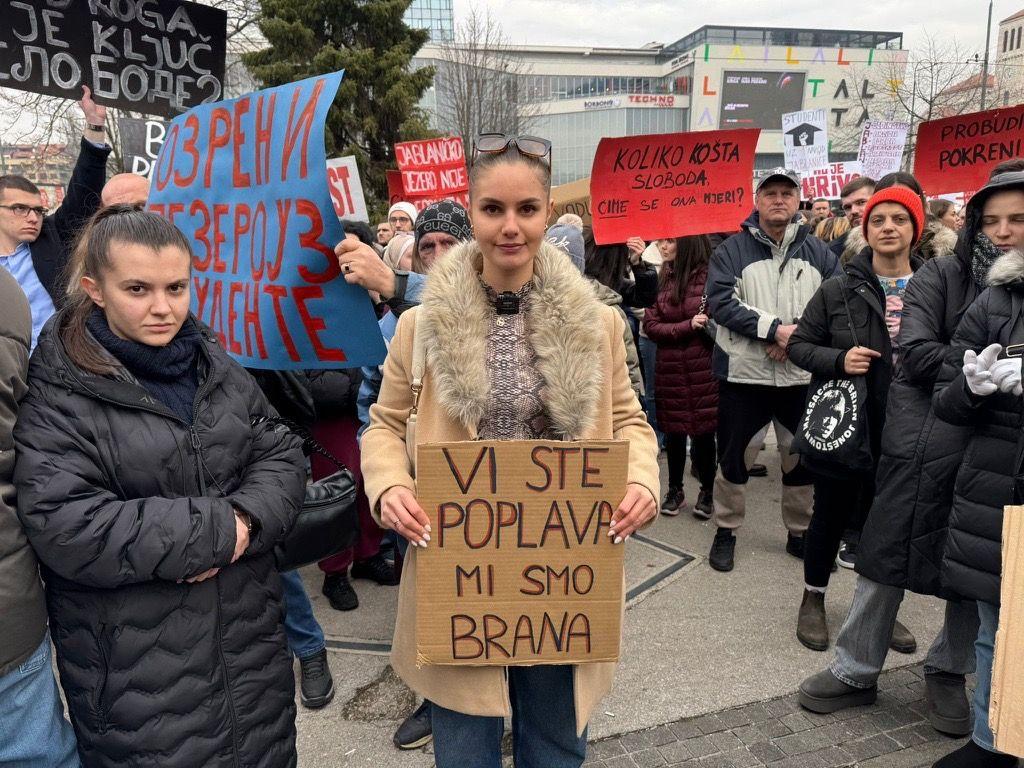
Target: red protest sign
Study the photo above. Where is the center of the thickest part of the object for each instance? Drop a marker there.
(957, 154)
(434, 168)
(395, 192)
(672, 185)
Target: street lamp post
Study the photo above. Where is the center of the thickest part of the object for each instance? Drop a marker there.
(984, 70)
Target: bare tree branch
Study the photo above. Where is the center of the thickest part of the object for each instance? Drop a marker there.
(481, 84)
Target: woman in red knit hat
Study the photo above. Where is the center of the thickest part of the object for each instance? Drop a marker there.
(849, 330)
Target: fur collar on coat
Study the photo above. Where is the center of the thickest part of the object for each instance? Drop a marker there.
(562, 325)
(937, 240)
(1008, 269)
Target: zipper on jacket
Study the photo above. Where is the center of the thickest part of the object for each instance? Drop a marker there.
(227, 680)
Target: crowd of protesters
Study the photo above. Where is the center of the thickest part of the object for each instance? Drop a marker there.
(143, 489)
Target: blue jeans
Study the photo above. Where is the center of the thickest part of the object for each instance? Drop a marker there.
(984, 649)
(648, 351)
(33, 730)
(543, 726)
(305, 637)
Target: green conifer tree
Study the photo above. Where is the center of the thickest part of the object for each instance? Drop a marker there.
(376, 104)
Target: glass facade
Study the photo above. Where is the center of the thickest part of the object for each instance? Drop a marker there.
(437, 16)
(574, 136)
(808, 38)
(560, 87)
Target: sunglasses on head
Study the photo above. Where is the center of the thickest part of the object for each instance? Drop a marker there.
(498, 143)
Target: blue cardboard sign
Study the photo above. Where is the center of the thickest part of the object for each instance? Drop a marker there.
(246, 181)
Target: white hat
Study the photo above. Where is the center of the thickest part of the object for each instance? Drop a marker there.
(407, 208)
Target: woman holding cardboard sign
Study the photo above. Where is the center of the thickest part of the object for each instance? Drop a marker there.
(516, 346)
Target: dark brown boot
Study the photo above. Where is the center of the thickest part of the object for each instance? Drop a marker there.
(811, 625)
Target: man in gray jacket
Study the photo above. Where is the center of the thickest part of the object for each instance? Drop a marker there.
(33, 730)
(759, 282)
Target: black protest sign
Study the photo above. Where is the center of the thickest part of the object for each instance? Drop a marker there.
(140, 144)
(158, 57)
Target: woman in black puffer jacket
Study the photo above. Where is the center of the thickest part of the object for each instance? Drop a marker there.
(154, 506)
(980, 388)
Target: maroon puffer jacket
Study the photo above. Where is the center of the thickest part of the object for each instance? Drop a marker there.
(685, 391)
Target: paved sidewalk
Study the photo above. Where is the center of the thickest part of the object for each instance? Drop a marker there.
(893, 733)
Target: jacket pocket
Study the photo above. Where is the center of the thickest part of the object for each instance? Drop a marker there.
(100, 694)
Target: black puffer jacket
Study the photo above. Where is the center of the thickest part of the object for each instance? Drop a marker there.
(904, 537)
(985, 482)
(825, 334)
(121, 499)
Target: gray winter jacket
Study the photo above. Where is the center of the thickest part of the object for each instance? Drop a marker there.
(21, 592)
(755, 285)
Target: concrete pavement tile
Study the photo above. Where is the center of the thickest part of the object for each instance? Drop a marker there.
(781, 707)
(710, 724)
(897, 678)
(796, 722)
(735, 718)
(620, 761)
(605, 748)
(922, 756)
(872, 746)
(886, 720)
(776, 729)
(907, 736)
(648, 758)
(741, 758)
(755, 733)
(661, 735)
(725, 741)
(675, 753)
(684, 729)
(701, 746)
(860, 727)
(766, 752)
(834, 757)
(799, 761)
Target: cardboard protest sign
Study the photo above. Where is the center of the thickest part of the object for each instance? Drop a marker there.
(881, 147)
(573, 197)
(346, 189)
(520, 569)
(672, 184)
(246, 181)
(1006, 706)
(828, 181)
(805, 140)
(141, 141)
(159, 57)
(957, 154)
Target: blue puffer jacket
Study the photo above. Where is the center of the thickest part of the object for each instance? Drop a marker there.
(755, 285)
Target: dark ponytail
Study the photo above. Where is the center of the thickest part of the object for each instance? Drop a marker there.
(109, 227)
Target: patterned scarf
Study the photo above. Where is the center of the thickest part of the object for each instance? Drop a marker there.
(983, 256)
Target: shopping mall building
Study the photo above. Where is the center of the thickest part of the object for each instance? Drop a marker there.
(715, 77)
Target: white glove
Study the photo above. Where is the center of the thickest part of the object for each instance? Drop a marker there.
(1006, 375)
(978, 369)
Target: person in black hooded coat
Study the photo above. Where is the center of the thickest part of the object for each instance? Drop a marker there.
(903, 540)
(980, 389)
(154, 506)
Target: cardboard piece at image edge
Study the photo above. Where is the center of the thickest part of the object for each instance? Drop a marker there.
(513, 610)
(1006, 709)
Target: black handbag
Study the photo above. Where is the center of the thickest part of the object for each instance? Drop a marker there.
(832, 437)
(328, 521)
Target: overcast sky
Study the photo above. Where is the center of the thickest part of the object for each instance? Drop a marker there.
(634, 23)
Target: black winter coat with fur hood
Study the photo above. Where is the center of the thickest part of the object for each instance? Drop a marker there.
(986, 480)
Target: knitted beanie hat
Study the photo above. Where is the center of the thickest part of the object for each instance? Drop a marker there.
(444, 216)
(908, 198)
(407, 208)
(567, 238)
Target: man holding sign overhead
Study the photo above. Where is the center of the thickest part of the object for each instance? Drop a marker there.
(758, 284)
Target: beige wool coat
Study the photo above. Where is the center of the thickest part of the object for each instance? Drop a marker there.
(587, 395)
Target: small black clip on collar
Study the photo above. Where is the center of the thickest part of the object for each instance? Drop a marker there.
(507, 303)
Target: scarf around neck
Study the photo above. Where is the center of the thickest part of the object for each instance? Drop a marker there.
(983, 256)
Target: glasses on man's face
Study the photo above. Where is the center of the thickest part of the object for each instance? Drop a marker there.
(498, 143)
(22, 211)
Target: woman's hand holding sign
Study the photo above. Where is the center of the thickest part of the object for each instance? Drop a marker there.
(637, 508)
(400, 512)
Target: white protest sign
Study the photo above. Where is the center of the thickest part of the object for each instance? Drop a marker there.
(346, 189)
(805, 140)
(827, 182)
(881, 147)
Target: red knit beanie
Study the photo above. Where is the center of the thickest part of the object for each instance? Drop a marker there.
(908, 198)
